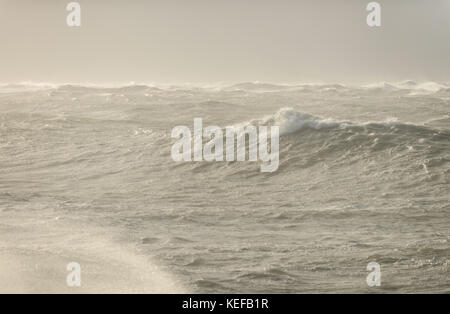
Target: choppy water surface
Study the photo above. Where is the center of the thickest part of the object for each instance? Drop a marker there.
(364, 175)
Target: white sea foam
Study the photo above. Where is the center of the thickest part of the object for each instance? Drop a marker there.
(290, 120)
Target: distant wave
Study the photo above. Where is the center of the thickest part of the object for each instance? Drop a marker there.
(414, 88)
(411, 87)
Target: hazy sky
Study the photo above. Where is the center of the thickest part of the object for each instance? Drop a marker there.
(176, 41)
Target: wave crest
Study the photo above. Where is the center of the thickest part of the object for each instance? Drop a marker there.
(290, 121)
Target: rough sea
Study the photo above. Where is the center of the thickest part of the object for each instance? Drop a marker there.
(86, 176)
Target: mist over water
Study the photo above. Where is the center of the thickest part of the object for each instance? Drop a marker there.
(364, 176)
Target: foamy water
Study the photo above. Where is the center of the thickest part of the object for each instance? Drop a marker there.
(86, 175)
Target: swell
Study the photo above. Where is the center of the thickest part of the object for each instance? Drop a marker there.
(292, 121)
(307, 141)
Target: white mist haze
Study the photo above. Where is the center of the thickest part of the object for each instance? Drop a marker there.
(179, 41)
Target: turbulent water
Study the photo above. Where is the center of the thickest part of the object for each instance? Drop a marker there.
(86, 175)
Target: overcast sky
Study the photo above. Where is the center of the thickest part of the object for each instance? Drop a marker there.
(177, 41)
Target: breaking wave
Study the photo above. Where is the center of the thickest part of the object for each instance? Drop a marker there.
(290, 121)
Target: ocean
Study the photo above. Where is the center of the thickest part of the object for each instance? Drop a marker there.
(86, 176)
